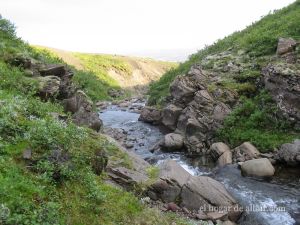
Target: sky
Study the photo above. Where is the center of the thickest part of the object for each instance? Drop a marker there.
(162, 29)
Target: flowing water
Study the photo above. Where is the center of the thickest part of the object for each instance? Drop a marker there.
(268, 202)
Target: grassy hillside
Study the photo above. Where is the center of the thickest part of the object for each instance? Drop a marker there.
(47, 189)
(255, 118)
(258, 40)
(101, 72)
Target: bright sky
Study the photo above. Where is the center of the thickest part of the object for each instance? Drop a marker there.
(168, 29)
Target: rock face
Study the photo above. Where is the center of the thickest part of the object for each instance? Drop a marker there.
(194, 193)
(48, 86)
(289, 153)
(150, 115)
(244, 152)
(81, 107)
(286, 45)
(170, 116)
(282, 80)
(258, 167)
(172, 142)
(55, 82)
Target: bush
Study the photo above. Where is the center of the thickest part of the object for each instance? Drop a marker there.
(256, 120)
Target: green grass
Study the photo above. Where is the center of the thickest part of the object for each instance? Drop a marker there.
(257, 40)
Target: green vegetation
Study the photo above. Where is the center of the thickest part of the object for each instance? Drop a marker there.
(257, 40)
(256, 120)
(59, 183)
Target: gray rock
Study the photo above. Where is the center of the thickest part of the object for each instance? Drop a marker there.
(258, 167)
(289, 153)
(27, 154)
(282, 80)
(225, 159)
(286, 45)
(244, 152)
(170, 116)
(48, 86)
(217, 149)
(171, 179)
(53, 69)
(150, 115)
(172, 142)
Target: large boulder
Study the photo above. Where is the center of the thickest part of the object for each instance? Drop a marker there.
(202, 193)
(48, 86)
(286, 45)
(225, 159)
(170, 116)
(289, 153)
(205, 193)
(79, 100)
(172, 142)
(150, 115)
(244, 152)
(87, 118)
(172, 177)
(82, 108)
(217, 149)
(258, 167)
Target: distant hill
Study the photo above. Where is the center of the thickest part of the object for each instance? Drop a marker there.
(127, 72)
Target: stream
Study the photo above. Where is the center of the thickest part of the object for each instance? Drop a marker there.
(269, 202)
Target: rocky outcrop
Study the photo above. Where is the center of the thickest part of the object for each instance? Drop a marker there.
(258, 167)
(170, 116)
(244, 152)
(202, 193)
(48, 86)
(55, 82)
(172, 142)
(289, 153)
(150, 115)
(282, 80)
(217, 149)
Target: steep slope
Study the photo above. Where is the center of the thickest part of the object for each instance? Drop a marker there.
(129, 73)
(238, 89)
(49, 166)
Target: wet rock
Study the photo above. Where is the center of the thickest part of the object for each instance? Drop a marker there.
(217, 149)
(170, 116)
(129, 145)
(172, 142)
(225, 159)
(53, 69)
(286, 45)
(244, 152)
(289, 153)
(48, 86)
(150, 115)
(258, 167)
